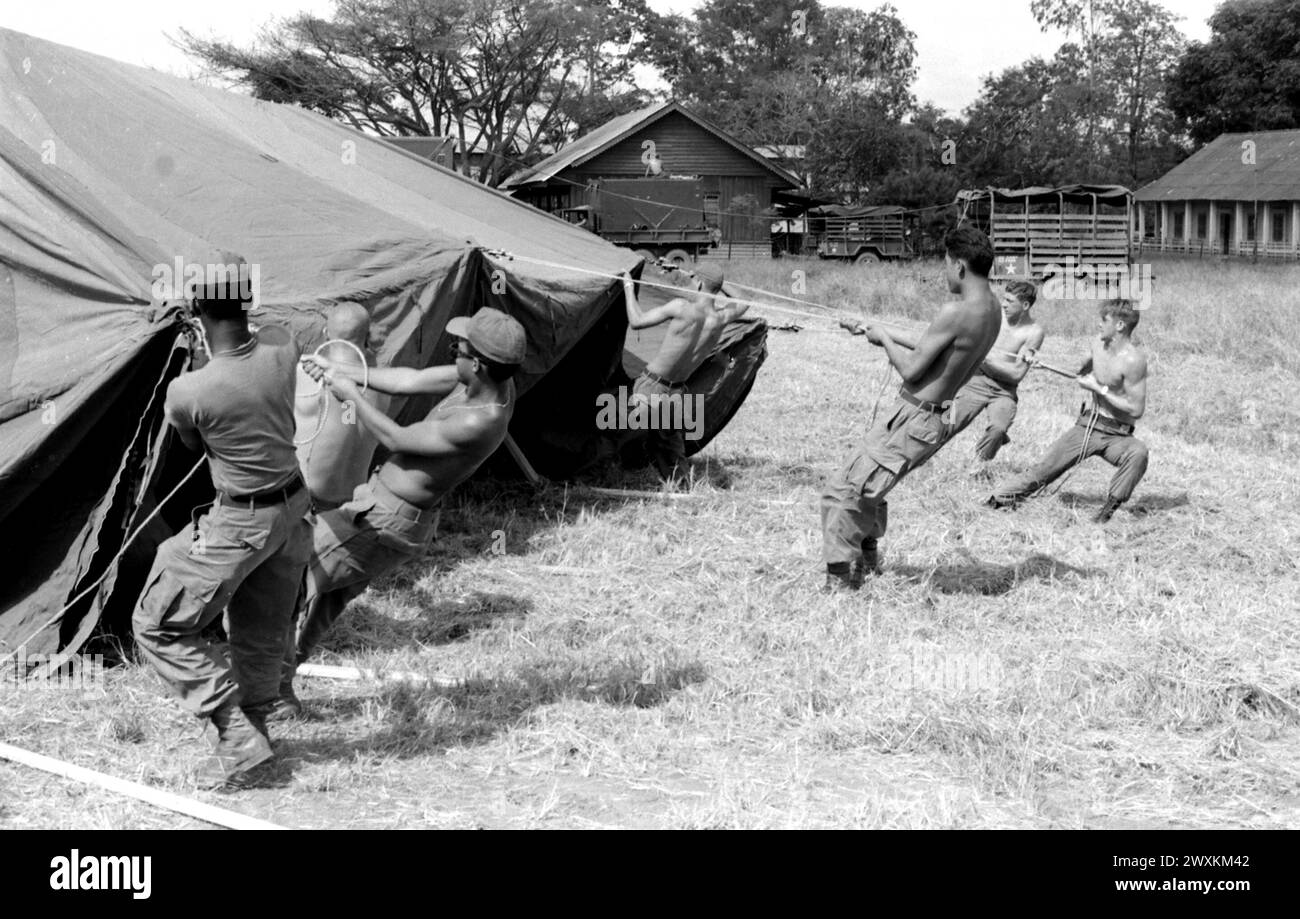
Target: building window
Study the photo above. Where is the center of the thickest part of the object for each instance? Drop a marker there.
(1279, 224)
(1202, 222)
(1180, 224)
(1250, 228)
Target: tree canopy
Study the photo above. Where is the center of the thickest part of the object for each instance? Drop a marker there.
(1122, 99)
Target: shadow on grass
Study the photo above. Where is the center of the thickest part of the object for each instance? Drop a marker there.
(991, 580)
(793, 473)
(1144, 504)
(489, 520)
(442, 620)
(426, 720)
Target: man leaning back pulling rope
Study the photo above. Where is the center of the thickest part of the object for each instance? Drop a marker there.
(939, 362)
(247, 552)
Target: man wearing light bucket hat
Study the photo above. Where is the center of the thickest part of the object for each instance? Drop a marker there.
(393, 517)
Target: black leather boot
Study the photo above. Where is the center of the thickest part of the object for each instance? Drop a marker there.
(839, 578)
(240, 746)
(868, 565)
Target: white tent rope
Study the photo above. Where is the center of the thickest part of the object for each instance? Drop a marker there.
(58, 617)
(767, 306)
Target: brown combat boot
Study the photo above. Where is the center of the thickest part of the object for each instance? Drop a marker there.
(240, 746)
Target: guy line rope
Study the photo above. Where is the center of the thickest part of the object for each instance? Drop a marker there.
(110, 567)
(58, 617)
(500, 253)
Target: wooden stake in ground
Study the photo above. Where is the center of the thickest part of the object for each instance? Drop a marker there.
(357, 674)
(155, 796)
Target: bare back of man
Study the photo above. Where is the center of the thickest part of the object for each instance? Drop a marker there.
(692, 334)
(334, 448)
(695, 324)
(474, 429)
(972, 325)
(933, 367)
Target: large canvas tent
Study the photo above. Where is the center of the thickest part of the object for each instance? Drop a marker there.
(109, 172)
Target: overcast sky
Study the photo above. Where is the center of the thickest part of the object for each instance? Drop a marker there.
(958, 41)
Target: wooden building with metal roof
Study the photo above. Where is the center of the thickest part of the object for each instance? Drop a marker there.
(1239, 195)
(668, 139)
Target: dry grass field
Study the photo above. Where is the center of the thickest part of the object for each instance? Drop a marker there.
(672, 663)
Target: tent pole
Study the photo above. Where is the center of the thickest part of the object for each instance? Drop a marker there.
(155, 796)
(359, 674)
(522, 462)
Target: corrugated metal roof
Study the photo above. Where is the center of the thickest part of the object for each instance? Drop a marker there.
(610, 133)
(1216, 171)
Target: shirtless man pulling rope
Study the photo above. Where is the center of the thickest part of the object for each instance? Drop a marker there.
(394, 517)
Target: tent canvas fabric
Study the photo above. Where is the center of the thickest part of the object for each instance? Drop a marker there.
(1111, 195)
(109, 171)
(842, 210)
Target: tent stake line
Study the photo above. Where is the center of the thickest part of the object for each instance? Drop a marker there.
(155, 796)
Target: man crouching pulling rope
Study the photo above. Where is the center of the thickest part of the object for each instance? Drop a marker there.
(393, 518)
(1116, 375)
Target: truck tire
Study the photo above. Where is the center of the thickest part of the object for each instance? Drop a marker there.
(681, 257)
(866, 258)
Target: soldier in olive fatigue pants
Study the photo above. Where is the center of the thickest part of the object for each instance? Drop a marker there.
(247, 553)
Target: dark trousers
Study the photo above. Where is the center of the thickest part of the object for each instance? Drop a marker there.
(1113, 442)
(999, 402)
(363, 539)
(250, 560)
(854, 506)
(665, 446)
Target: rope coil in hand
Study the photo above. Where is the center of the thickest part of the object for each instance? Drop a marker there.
(320, 387)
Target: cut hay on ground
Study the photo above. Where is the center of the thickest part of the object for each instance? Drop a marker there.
(638, 662)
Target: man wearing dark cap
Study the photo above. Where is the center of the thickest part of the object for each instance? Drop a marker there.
(393, 517)
(695, 325)
(248, 551)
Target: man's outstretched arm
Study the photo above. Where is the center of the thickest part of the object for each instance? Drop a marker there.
(913, 364)
(440, 437)
(1009, 368)
(860, 326)
(394, 381)
(636, 318)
